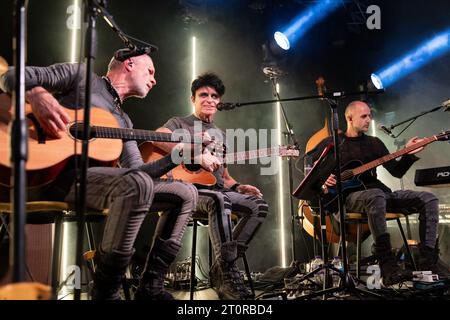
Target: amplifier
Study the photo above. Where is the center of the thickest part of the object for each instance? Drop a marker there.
(433, 177)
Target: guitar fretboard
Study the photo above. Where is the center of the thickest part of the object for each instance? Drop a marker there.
(252, 154)
(132, 134)
(394, 155)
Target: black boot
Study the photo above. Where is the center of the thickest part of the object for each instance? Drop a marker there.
(225, 277)
(390, 270)
(109, 273)
(151, 285)
(241, 248)
(429, 261)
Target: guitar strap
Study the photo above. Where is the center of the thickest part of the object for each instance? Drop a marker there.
(113, 92)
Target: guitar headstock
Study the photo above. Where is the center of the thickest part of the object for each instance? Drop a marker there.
(321, 89)
(443, 136)
(288, 151)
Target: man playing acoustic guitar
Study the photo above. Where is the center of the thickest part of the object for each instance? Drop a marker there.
(375, 199)
(226, 196)
(127, 192)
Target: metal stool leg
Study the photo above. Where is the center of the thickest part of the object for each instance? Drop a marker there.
(249, 276)
(405, 241)
(90, 236)
(56, 259)
(210, 253)
(193, 254)
(358, 249)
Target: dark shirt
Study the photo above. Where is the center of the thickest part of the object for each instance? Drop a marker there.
(365, 149)
(188, 123)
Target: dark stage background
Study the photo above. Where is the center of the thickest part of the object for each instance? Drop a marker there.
(229, 38)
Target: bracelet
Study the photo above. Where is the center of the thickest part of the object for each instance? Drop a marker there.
(234, 186)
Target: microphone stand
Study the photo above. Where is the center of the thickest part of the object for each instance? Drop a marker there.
(348, 283)
(80, 205)
(19, 144)
(92, 9)
(401, 143)
(291, 139)
(414, 118)
(332, 95)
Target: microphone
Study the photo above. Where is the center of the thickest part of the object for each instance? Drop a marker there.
(385, 130)
(123, 54)
(227, 106)
(446, 105)
(273, 71)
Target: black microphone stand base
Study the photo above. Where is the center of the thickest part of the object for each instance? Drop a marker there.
(348, 285)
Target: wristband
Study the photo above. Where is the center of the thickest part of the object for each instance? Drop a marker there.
(235, 186)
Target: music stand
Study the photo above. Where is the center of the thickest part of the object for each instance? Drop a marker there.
(311, 189)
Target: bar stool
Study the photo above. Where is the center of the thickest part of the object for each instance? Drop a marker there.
(128, 281)
(203, 218)
(359, 219)
(47, 212)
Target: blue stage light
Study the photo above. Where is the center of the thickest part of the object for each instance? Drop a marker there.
(376, 81)
(304, 21)
(282, 40)
(415, 59)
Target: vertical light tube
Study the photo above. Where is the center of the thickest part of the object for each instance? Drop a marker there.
(64, 257)
(281, 208)
(194, 60)
(194, 57)
(76, 24)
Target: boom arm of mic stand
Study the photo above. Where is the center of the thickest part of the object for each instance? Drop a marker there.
(411, 120)
(114, 26)
(415, 117)
(332, 95)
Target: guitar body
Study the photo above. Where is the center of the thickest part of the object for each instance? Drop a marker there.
(47, 157)
(188, 173)
(330, 199)
(351, 182)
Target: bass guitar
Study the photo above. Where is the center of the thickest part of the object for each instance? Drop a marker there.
(197, 175)
(352, 171)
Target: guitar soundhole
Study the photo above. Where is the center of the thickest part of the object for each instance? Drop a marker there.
(76, 131)
(193, 167)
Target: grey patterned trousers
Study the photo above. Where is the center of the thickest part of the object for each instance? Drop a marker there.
(219, 204)
(375, 203)
(128, 194)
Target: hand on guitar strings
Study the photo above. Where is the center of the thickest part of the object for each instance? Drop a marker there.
(412, 141)
(48, 112)
(208, 161)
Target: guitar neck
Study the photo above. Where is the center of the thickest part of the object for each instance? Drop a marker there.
(132, 134)
(253, 154)
(391, 156)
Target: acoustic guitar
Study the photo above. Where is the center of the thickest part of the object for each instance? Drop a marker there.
(196, 174)
(48, 156)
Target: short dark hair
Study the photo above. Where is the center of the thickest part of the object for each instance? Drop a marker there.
(208, 79)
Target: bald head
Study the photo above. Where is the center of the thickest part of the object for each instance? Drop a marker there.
(354, 106)
(133, 77)
(114, 64)
(358, 117)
